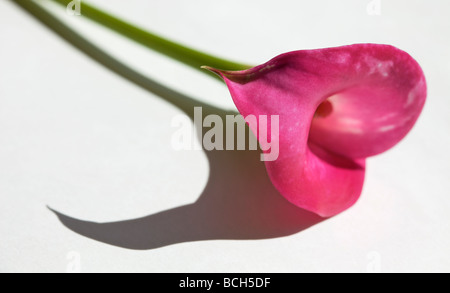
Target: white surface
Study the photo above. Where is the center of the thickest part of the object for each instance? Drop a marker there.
(94, 146)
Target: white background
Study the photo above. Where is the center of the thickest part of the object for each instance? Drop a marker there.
(96, 147)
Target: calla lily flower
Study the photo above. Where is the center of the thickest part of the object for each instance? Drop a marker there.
(336, 107)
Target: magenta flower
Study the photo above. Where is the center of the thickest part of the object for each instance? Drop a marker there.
(336, 107)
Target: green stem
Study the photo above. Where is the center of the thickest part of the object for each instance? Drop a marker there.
(186, 55)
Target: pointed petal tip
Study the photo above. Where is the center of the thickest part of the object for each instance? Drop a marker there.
(208, 68)
(236, 76)
(213, 70)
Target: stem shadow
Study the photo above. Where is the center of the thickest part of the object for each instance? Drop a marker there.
(238, 202)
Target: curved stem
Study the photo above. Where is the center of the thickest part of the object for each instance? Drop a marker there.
(186, 55)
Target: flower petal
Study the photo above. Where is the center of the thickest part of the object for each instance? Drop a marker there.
(336, 106)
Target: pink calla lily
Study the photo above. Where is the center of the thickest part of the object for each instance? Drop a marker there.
(336, 107)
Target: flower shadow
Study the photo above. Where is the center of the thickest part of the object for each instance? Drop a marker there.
(238, 202)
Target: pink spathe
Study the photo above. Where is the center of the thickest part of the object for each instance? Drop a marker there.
(336, 107)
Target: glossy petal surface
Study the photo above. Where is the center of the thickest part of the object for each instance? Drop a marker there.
(336, 107)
